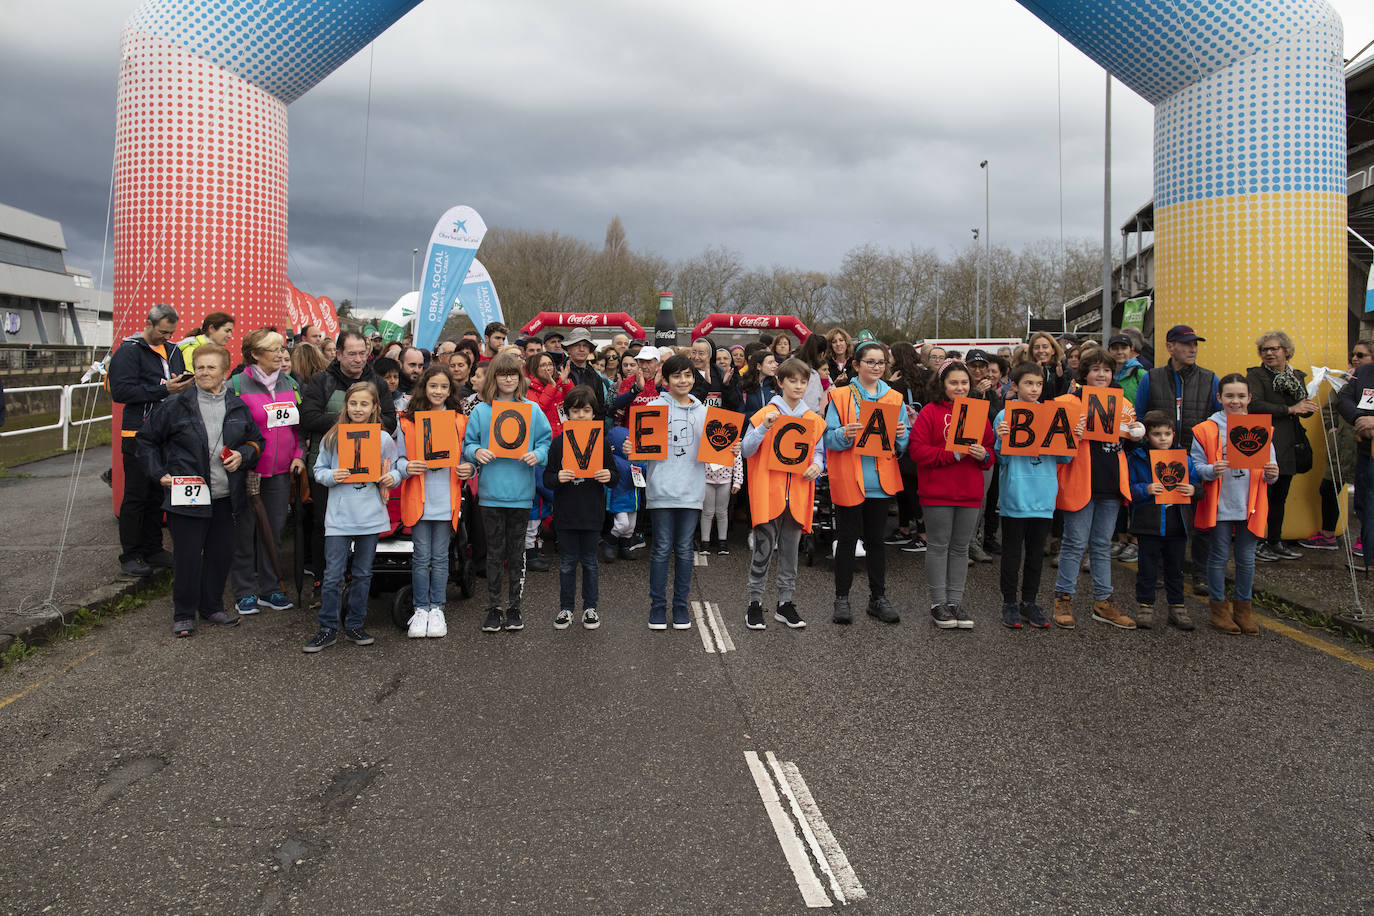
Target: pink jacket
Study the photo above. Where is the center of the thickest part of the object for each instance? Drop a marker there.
(283, 442)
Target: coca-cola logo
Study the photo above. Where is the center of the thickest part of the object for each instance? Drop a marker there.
(581, 319)
(754, 322)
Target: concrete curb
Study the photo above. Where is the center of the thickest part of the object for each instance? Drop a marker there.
(37, 629)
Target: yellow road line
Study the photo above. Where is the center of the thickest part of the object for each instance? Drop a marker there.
(1307, 639)
(36, 684)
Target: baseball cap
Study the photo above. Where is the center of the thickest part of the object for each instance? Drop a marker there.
(977, 356)
(553, 335)
(1120, 340)
(1181, 333)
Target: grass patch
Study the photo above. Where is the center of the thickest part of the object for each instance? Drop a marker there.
(86, 619)
(17, 652)
(1317, 620)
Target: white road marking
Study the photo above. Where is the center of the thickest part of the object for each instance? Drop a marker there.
(700, 559)
(813, 894)
(706, 639)
(727, 644)
(818, 834)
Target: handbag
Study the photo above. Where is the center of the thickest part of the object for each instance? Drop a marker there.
(1302, 448)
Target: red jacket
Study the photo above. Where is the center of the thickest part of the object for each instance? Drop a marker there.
(550, 397)
(946, 478)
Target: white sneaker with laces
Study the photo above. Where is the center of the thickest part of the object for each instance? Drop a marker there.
(419, 624)
(438, 627)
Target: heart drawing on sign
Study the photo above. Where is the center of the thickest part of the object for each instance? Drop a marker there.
(721, 435)
(1249, 439)
(1170, 474)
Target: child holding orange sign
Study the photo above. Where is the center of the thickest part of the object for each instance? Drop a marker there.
(356, 515)
(1161, 485)
(782, 487)
(431, 496)
(1234, 505)
(508, 461)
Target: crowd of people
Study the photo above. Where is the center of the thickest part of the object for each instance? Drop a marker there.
(222, 443)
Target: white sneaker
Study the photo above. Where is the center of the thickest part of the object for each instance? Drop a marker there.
(859, 549)
(437, 625)
(590, 620)
(419, 624)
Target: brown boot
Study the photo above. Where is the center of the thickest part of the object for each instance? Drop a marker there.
(1221, 618)
(1063, 611)
(1106, 612)
(1245, 617)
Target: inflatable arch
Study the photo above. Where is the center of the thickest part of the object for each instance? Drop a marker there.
(1249, 164)
(620, 320)
(752, 322)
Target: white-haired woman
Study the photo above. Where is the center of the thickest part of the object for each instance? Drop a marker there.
(1278, 389)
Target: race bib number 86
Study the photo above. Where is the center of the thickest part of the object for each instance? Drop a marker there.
(284, 413)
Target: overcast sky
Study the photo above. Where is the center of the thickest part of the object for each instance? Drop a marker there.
(787, 131)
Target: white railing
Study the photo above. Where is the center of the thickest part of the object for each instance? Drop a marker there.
(65, 420)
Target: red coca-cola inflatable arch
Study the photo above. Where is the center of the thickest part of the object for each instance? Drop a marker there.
(584, 320)
(752, 322)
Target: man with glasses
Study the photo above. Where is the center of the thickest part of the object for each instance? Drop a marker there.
(1348, 429)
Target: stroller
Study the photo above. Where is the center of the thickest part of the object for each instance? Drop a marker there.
(391, 568)
(822, 535)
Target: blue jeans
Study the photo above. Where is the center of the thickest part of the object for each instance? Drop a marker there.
(1246, 542)
(429, 562)
(331, 587)
(673, 530)
(577, 548)
(1089, 528)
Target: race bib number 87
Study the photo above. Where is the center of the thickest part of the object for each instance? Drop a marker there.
(190, 491)
(284, 413)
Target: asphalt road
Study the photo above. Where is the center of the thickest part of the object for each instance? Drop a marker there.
(1084, 771)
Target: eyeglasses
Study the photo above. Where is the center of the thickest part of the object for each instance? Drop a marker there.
(873, 363)
(507, 373)
(1359, 354)
(1271, 349)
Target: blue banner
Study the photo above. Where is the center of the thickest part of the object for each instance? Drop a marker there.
(478, 297)
(452, 248)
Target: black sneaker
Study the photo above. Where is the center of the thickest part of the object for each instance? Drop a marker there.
(493, 622)
(992, 546)
(136, 568)
(1034, 615)
(882, 609)
(358, 637)
(961, 617)
(917, 544)
(787, 613)
(1011, 616)
(513, 621)
(897, 539)
(1265, 554)
(942, 615)
(322, 640)
(1285, 552)
(843, 613)
(608, 551)
(722, 548)
(753, 617)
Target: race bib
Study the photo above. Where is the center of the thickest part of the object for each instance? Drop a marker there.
(637, 475)
(190, 491)
(1367, 399)
(284, 413)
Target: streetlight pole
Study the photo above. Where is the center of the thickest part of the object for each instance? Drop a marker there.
(1107, 223)
(413, 253)
(987, 239)
(977, 275)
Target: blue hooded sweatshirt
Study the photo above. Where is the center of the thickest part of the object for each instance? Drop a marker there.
(354, 508)
(506, 483)
(835, 440)
(1027, 486)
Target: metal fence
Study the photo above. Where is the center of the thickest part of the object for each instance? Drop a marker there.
(21, 360)
(67, 420)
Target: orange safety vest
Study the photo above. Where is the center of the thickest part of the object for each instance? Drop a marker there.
(845, 469)
(1076, 477)
(771, 493)
(413, 488)
(1208, 435)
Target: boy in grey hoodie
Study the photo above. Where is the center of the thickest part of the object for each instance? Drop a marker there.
(675, 488)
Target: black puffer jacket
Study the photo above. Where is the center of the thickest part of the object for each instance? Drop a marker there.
(135, 376)
(173, 441)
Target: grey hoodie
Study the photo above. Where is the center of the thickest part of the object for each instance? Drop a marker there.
(678, 481)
